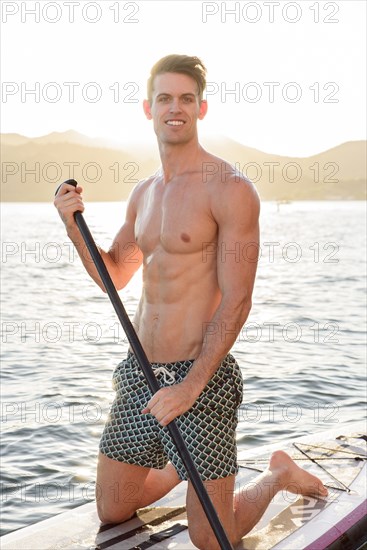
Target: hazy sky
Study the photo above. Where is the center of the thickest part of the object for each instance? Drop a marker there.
(284, 77)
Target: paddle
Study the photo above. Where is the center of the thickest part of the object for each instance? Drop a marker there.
(143, 361)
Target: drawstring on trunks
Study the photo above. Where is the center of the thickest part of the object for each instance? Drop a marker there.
(168, 377)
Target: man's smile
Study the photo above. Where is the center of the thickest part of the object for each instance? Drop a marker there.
(175, 122)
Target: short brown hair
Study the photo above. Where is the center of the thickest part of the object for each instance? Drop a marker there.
(184, 64)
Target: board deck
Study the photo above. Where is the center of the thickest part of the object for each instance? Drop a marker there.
(291, 522)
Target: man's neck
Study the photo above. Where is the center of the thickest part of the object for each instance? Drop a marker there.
(179, 158)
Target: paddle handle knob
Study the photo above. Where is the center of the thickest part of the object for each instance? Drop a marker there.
(70, 182)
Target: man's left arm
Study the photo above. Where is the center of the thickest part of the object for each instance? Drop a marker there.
(237, 214)
(236, 211)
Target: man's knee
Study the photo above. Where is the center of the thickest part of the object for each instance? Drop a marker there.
(221, 493)
(119, 488)
(117, 502)
(114, 514)
(203, 539)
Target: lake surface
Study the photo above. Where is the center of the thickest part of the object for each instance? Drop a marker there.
(302, 350)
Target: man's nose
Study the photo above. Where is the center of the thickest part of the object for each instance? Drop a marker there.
(175, 106)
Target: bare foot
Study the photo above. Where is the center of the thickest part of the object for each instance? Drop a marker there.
(295, 479)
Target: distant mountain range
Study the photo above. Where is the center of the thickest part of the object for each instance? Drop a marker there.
(33, 167)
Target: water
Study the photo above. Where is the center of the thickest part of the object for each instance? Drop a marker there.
(302, 350)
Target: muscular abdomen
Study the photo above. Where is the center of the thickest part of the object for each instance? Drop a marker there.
(180, 296)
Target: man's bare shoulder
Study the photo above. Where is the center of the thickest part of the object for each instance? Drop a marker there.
(230, 188)
(143, 184)
(140, 188)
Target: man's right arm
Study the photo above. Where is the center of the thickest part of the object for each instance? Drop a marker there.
(123, 258)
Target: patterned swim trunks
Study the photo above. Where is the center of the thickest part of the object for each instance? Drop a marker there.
(208, 428)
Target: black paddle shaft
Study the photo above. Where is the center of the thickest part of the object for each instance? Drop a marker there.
(146, 367)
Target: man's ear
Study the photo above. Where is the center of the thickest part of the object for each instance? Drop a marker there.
(146, 107)
(203, 109)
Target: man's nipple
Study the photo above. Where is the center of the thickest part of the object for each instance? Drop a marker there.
(185, 237)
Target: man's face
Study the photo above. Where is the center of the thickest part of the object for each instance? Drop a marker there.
(175, 107)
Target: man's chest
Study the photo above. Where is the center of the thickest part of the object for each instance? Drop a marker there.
(177, 218)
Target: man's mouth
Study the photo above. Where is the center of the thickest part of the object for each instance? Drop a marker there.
(175, 122)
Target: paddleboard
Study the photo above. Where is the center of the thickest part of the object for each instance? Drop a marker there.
(291, 522)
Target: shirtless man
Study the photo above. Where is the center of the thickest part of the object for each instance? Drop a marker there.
(194, 227)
